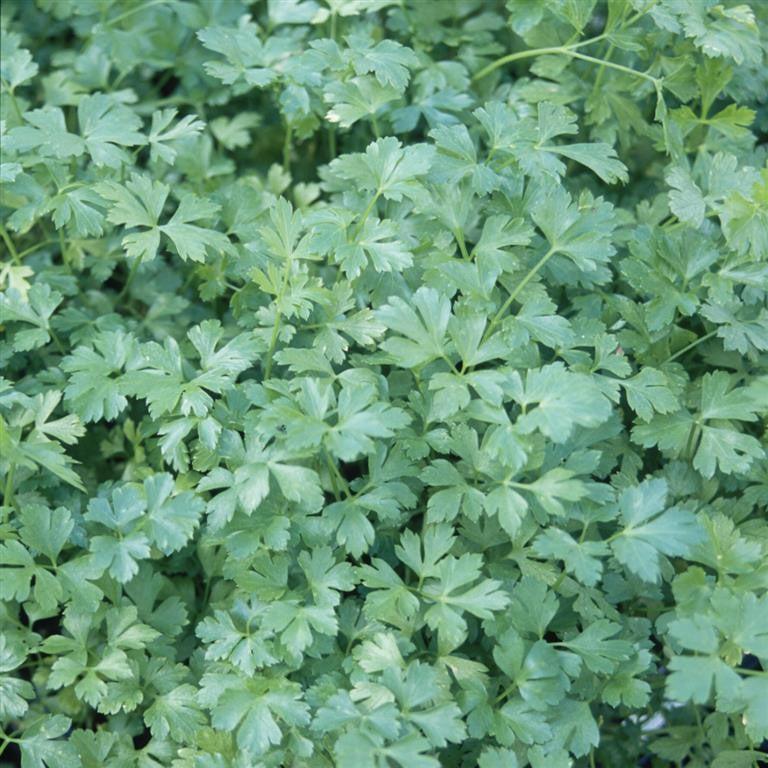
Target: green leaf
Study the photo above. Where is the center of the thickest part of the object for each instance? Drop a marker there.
(256, 712)
(106, 126)
(649, 529)
(94, 390)
(563, 400)
(46, 134)
(171, 518)
(121, 551)
(421, 336)
(386, 169)
(162, 133)
(41, 744)
(598, 653)
(176, 714)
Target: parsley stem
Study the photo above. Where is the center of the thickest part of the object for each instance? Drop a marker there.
(366, 213)
(459, 235)
(57, 341)
(754, 672)
(503, 695)
(619, 67)
(518, 288)
(287, 147)
(566, 50)
(690, 346)
(690, 445)
(272, 345)
(14, 103)
(8, 492)
(36, 247)
(130, 12)
(131, 274)
(532, 52)
(336, 475)
(278, 317)
(9, 244)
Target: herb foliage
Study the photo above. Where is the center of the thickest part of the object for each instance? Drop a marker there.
(384, 383)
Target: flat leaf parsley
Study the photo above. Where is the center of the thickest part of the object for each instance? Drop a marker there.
(383, 383)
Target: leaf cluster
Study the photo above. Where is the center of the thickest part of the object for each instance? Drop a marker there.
(383, 384)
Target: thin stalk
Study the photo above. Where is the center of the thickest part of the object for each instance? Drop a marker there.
(331, 142)
(14, 103)
(601, 71)
(503, 695)
(8, 492)
(332, 475)
(619, 67)
(10, 245)
(693, 435)
(333, 26)
(287, 147)
(337, 477)
(129, 279)
(62, 246)
(565, 50)
(690, 346)
(516, 292)
(375, 126)
(120, 17)
(278, 318)
(559, 580)
(36, 247)
(559, 49)
(532, 53)
(56, 340)
(366, 214)
(459, 235)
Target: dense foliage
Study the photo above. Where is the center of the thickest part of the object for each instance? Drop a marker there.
(384, 383)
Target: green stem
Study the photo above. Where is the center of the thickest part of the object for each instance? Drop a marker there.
(333, 26)
(691, 442)
(601, 70)
(10, 245)
(559, 580)
(331, 142)
(690, 346)
(14, 103)
(564, 50)
(129, 279)
(278, 317)
(56, 340)
(336, 476)
(754, 672)
(375, 126)
(619, 67)
(62, 246)
(459, 235)
(120, 17)
(532, 52)
(36, 247)
(332, 475)
(366, 214)
(516, 292)
(8, 492)
(287, 147)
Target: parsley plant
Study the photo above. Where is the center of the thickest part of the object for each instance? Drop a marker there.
(384, 383)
